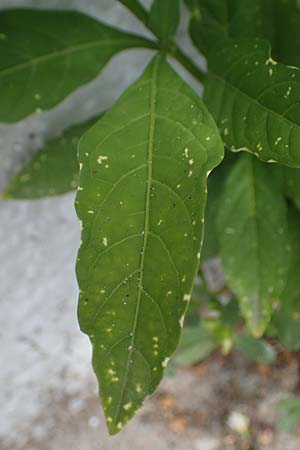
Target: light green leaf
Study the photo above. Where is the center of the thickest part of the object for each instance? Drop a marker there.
(255, 349)
(255, 101)
(53, 170)
(216, 21)
(164, 18)
(255, 247)
(46, 55)
(141, 201)
(196, 344)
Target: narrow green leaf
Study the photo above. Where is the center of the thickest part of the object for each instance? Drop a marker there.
(255, 101)
(141, 201)
(46, 55)
(216, 21)
(255, 247)
(53, 170)
(164, 18)
(255, 349)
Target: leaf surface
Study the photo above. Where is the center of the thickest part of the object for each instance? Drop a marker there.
(53, 169)
(164, 18)
(46, 55)
(216, 21)
(255, 246)
(255, 101)
(141, 201)
(287, 42)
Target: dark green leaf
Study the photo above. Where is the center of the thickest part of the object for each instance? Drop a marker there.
(53, 170)
(286, 324)
(289, 411)
(215, 21)
(255, 349)
(255, 101)
(196, 344)
(46, 55)
(254, 241)
(287, 21)
(141, 201)
(164, 18)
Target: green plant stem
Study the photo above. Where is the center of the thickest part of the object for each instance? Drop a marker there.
(172, 49)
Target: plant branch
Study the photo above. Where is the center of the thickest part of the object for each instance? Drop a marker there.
(172, 48)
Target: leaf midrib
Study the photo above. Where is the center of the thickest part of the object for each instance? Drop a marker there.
(68, 51)
(152, 98)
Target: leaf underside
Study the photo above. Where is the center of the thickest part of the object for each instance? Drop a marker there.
(254, 243)
(46, 55)
(141, 199)
(255, 101)
(53, 170)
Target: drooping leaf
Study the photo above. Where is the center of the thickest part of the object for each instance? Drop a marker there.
(46, 55)
(215, 21)
(255, 349)
(291, 180)
(287, 22)
(286, 320)
(291, 292)
(255, 101)
(53, 170)
(196, 344)
(141, 200)
(215, 185)
(254, 240)
(164, 18)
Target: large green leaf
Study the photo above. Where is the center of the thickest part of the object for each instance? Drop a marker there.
(164, 18)
(287, 22)
(46, 55)
(215, 21)
(53, 170)
(254, 242)
(255, 101)
(141, 199)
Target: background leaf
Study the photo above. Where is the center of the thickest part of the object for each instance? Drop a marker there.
(254, 242)
(46, 55)
(255, 101)
(255, 349)
(215, 186)
(141, 201)
(53, 170)
(289, 411)
(164, 18)
(196, 344)
(215, 21)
